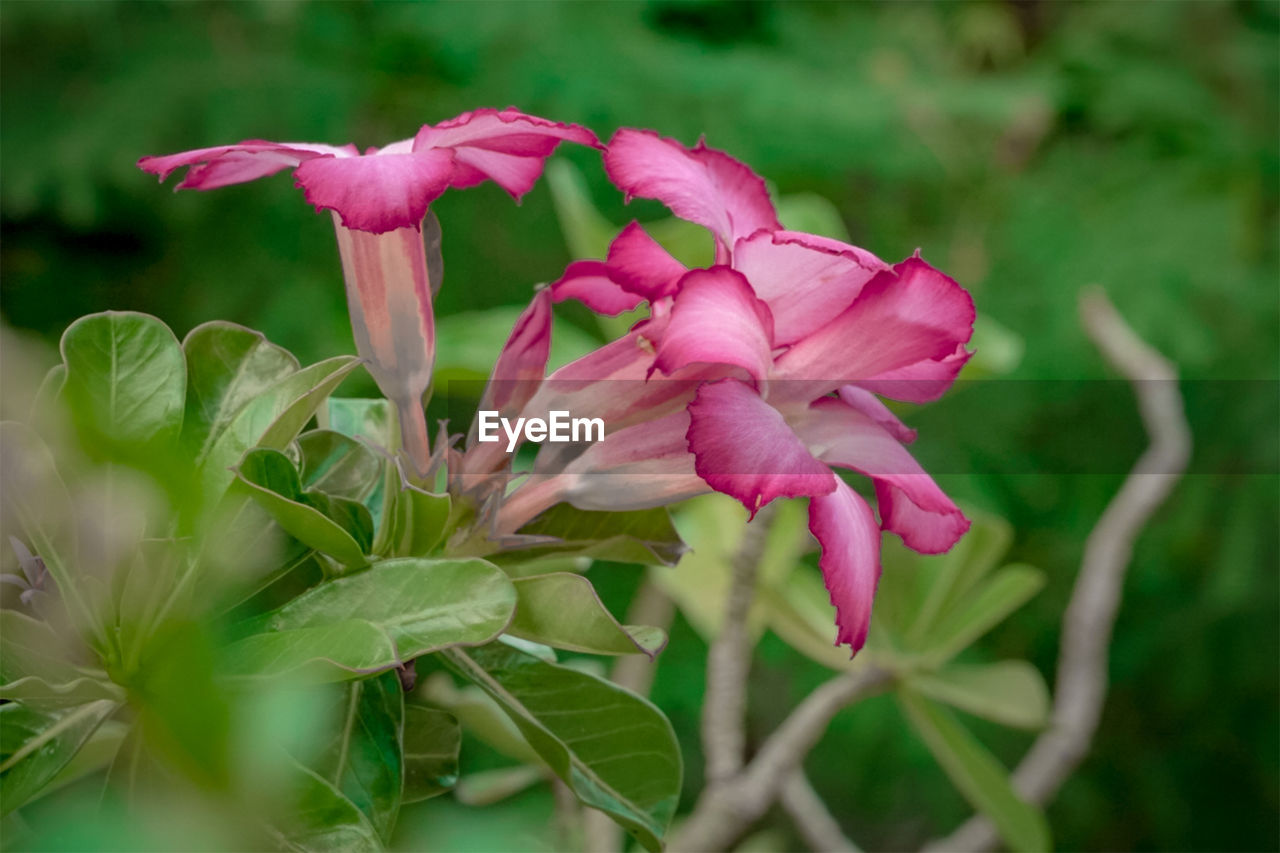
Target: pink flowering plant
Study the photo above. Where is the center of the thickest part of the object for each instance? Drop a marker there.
(204, 522)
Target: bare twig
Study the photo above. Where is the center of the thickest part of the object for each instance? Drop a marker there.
(725, 810)
(729, 661)
(1081, 685)
(812, 819)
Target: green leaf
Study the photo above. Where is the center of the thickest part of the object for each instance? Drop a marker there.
(227, 366)
(320, 818)
(614, 750)
(373, 420)
(644, 536)
(33, 649)
(812, 214)
(562, 610)
(363, 757)
(338, 465)
(984, 608)
(344, 649)
(1010, 692)
(417, 520)
(393, 612)
(480, 716)
(273, 418)
(126, 376)
(432, 739)
(34, 500)
(273, 482)
(976, 774)
(35, 745)
(38, 693)
(946, 579)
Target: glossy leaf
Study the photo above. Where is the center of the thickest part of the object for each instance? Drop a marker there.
(480, 716)
(393, 612)
(127, 375)
(35, 746)
(432, 739)
(373, 420)
(562, 610)
(339, 465)
(273, 418)
(273, 482)
(416, 522)
(615, 750)
(645, 536)
(984, 608)
(227, 366)
(362, 759)
(320, 818)
(976, 774)
(1010, 692)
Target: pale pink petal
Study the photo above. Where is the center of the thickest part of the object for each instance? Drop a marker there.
(389, 298)
(637, 467)
(806, 280)
(717, 319)
(918, 511)
(590, 283)
(640, 265)
(232, 164)
(379, 192)
(744, 448)
(700, 184)
(843, 524)
(873, 407)
(902, 317)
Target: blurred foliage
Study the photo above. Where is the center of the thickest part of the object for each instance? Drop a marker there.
(1028, 148)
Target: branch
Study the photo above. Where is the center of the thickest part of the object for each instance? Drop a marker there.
(1081, 686)
(725, 810)
(812, 819)
(724, 704)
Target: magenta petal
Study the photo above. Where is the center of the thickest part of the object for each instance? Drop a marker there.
(508, 131)
(917, 510)
(590, 283)
(699, 184)
(233, 164)
(902, 317)
(640, 265)
(843, 524)
(806, 280)
(873, 407)
(717, 319)
(377, 192)
(921, 382)
(744, 448)
(505, 146)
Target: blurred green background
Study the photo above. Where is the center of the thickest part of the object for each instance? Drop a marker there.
(1028, 148)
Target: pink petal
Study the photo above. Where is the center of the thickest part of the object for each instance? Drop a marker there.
(505, 146)
(916, 509)
(378, 192)
(233, 164)
(744, 448)
(590, 283)
(508, 131)
(700, 184)
(640, 265)
(872, 406)
(901, 318)
(716, 319)
(843, 524)
(806, 280)
(921, 382)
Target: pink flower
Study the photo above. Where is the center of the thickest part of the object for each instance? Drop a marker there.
(772, 362)
(379, 200)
